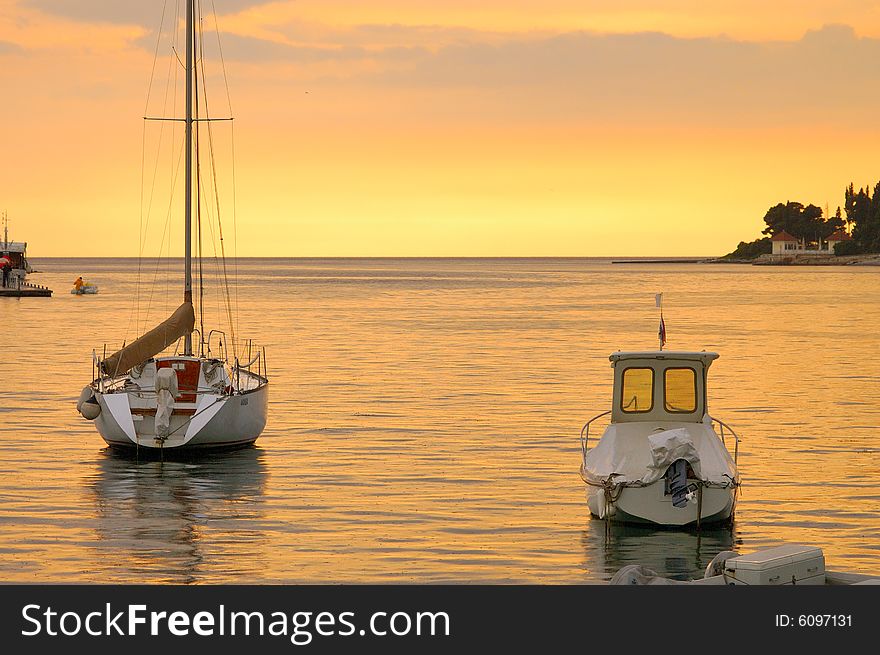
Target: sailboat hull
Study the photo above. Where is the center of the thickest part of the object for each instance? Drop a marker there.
(220, 422)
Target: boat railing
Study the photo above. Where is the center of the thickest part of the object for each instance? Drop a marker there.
(102, 381)
(200, 341)
(721, 427)
(221, 346)
(585, 432)
(22, 284)
(255, 365)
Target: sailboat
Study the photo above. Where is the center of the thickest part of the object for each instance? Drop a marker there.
(150, 396)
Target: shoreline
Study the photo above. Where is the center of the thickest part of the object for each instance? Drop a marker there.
(872, 259)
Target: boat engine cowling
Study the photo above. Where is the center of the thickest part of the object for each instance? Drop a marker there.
(87, 405)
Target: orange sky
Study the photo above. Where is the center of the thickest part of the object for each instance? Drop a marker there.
(561, 127)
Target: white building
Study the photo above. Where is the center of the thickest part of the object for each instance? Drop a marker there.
(836, 238)
(785, 244)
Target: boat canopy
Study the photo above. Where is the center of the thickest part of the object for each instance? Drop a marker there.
(699, 355)
(660, 385)
(179, 324)
(13, 246)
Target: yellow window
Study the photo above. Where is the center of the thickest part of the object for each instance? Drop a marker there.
(638, 390)
(681, 390)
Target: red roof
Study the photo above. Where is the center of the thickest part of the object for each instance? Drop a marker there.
(840, 235)
(782, 236)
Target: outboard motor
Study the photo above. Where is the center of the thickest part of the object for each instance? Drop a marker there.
(676, 478)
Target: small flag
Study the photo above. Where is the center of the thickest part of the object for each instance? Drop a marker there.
(658, 299)
(661, 334)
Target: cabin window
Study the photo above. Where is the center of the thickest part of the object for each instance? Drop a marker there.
(681, 390)
(637, 390)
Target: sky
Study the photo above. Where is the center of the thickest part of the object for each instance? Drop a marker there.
(429, 128)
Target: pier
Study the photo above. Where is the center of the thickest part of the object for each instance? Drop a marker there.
(26, 290)
(682, 260)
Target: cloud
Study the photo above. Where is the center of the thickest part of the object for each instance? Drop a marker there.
(129, 12)
(827, 76)
(389, 34)
(240, 48)
(7, 48)
(828, 70)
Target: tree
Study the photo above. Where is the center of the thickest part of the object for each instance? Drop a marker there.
(751, 250)
(831, 225)
(805, 223)
(863, 213)
(847, 248)
(783, 218)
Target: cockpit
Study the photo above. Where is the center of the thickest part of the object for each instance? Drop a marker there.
(660, 385)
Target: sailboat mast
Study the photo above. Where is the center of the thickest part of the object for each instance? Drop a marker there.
(187, 287)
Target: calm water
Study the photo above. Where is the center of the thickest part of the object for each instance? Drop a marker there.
(424, 422)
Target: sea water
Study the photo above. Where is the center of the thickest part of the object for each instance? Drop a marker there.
(424, 418)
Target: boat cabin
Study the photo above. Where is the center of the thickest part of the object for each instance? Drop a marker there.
(16, 253)
(660, 386)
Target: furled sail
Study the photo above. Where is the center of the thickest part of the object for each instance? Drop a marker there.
(179, 324)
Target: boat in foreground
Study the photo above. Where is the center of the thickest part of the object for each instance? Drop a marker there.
(178, 401)
(788, 564)
(660, 460)
(194, 397)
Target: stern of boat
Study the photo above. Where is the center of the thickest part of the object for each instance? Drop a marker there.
(215, 407)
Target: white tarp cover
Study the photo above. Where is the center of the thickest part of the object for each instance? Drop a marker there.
(637, 451)
(668, 446)
(166, 392)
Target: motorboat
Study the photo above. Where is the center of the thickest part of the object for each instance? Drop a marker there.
(786, 564)
(13, 257)
(81, 287)
(660, 460)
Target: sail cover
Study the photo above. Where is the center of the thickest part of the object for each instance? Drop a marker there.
(179, 324)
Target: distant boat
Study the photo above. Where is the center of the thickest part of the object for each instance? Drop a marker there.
(81, 287)
(190, 399)
(13, 257)
(660, 461)
(15, 268)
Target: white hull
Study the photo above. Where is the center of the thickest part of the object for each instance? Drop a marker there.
(239, 420)
(230, 412)
(649, 504)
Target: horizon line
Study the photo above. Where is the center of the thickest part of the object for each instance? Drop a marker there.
(629, 257)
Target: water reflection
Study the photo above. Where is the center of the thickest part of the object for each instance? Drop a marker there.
(424, 424)
(672, 553)
(180, 521)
